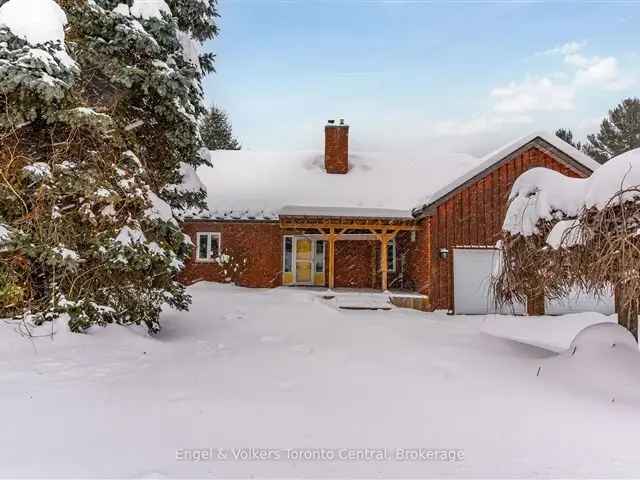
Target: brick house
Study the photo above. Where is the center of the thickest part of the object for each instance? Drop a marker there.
(338, 219)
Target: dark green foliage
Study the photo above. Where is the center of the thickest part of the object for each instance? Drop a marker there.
(216, 131)
(619, 132)
(567, 135)
(89, 162)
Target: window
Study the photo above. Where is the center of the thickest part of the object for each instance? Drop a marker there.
(208, 247)
(319, 256)
(391, 256)
(288, 254)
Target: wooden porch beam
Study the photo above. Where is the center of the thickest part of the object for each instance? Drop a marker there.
(369, 227)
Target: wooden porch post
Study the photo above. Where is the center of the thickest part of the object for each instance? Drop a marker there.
(332, 254)
(383, 260)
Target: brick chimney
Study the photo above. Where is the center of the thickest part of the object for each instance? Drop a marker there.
(336, 147)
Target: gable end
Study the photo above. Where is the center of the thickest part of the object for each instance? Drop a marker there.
(538, 142)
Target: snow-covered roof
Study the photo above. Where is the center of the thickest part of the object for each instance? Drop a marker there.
(344, 212)
(246, 184)
(501, 153)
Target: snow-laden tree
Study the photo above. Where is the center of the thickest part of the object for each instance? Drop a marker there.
(216, 130)
(99, 145)
(560, 233)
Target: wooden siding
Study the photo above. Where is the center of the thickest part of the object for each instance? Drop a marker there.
(473, 216)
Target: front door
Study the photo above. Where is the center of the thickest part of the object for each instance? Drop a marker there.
(304, 261)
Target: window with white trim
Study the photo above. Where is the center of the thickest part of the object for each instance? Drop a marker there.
(391, 256)
(208, 247)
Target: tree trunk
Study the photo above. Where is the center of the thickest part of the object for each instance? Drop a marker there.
(627, 309)
(535, 303)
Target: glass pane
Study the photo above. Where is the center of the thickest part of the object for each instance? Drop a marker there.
(319, 256)
(288, 254)
(215, 246)
(203, 246)
(391, 256)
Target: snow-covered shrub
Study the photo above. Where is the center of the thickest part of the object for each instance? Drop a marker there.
(233, 268)
(561, 233)
(101, 116)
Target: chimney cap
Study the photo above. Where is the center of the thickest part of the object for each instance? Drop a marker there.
(336, 123)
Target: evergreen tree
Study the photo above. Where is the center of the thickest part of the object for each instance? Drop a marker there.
(216, 131)
(619, 132)
(99, 142)
(567, 135)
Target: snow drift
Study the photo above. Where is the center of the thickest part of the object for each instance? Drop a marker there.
(602, 361)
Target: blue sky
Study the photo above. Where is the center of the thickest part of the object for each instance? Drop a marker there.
(413, 74)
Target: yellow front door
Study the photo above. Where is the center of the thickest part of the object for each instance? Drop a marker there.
(304, 260)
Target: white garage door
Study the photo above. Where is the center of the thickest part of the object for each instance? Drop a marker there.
(472, 274)
(472, 271)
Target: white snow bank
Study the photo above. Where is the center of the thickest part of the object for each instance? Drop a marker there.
(283, 369)
(541, 193)
(248, 184)
(554, 333)
(602, 362)
(603, 336)
(36, 21)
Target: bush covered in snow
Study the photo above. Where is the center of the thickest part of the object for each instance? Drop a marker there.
(562, 232)
(99, 142)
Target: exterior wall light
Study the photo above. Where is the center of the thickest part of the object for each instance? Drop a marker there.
(444, 253)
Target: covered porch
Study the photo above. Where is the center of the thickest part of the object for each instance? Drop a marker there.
(310, 235)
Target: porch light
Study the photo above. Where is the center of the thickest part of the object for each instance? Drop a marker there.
(444, 253)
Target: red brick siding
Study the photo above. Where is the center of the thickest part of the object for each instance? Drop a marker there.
(259, 242)
(336, 151)
(474, 216)
(353, 264)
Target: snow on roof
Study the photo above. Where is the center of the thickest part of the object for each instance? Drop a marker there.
(502, 152)
(344, 212)
(244, 184)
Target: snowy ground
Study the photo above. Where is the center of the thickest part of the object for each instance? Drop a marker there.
(284, 369)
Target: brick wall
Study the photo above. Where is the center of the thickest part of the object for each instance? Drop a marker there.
(353, 264)
(336, 149)
(259, 242)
